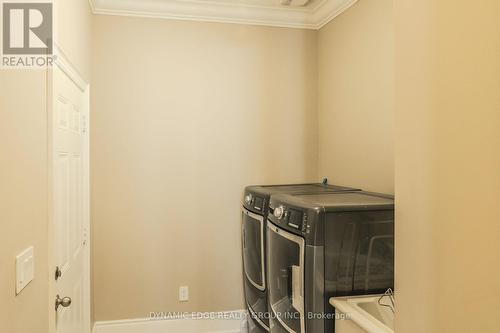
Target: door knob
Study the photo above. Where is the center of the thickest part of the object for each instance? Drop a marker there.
(65, 302)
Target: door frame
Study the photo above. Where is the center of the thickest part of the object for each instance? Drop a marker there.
(65, 65)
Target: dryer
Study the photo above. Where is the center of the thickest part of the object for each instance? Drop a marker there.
(325, 245)
(254, 215)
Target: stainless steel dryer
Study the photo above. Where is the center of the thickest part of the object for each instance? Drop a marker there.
(325, 245)
(255, 210)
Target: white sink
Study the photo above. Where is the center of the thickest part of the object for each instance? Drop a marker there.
(359, 314)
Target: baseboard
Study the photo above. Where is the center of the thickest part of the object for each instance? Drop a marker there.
(212, 322)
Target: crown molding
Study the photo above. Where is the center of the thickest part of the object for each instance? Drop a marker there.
(308, 17)
(330, 10)
(92, 7)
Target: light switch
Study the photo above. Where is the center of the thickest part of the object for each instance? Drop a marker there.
(25, 268)
(184, 293)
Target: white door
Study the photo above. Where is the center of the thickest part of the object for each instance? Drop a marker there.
(70, 204)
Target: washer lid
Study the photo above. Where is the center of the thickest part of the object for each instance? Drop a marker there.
(297, 188)
(337, 201)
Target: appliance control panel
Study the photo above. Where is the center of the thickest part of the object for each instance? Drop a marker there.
(254, 201)
(293, 218)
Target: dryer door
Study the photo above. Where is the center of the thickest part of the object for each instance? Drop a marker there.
(285, 257)
(253, 248)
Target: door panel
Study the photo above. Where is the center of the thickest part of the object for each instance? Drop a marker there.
(360, 252)
(70, 201)
(374, 270)
(285, 259)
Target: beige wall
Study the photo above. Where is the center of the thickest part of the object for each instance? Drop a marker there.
(73, 33)
(356, 97)
(23, 169)
(185, 115)
(23, 198)
(168, 155)
(447, 166)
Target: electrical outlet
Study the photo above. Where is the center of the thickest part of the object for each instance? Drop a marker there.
(183, 294)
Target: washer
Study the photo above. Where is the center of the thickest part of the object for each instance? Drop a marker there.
(255, 211)
(325, 245)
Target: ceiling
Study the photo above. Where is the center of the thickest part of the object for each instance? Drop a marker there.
(307, 14)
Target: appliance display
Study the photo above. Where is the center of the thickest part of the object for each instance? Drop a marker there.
(325, 245)
(254, 216)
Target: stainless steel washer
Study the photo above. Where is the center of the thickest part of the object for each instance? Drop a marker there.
(254, 228)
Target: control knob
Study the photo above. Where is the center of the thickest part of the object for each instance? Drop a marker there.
(278, 212)
(248, 199)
